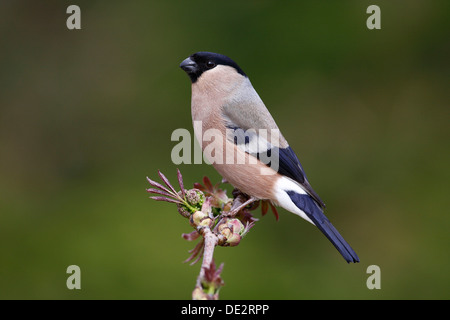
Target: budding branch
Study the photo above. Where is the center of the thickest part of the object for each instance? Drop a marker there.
(220, 220)
(211, 241)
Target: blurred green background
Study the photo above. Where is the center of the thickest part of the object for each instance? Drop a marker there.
(86, 115)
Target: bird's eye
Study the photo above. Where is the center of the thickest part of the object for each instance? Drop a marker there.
(210, 64)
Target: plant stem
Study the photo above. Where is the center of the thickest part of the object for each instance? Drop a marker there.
(208, 252)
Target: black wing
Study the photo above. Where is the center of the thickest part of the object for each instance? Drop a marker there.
(290, 167)
(288, 164)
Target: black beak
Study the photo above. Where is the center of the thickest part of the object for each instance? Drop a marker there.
(188, 65)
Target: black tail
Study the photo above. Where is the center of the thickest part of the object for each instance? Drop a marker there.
(312, 210)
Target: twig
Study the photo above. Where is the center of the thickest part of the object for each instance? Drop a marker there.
(210, 243)
(218, 219)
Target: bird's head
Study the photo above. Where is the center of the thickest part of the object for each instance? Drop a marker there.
(212, 68)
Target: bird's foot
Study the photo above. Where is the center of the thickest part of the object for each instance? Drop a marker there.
(240, 202)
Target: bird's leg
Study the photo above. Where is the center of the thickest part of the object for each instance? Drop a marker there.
(234, 211)
(239, 203)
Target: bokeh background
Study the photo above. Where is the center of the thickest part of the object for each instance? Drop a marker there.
(86, 115)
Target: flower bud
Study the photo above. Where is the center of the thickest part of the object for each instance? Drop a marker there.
(236, 225)
(183, 210)
(230, 232)
(200, 219)
(224, 229)
(226, 232)
(196, 218)
(195, 197)
(194, 200)
(234, 239)
(206, 222)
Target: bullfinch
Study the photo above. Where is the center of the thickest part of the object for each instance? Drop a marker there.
(241, 140)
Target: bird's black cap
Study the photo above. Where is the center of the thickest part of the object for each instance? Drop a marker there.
(196, 64)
